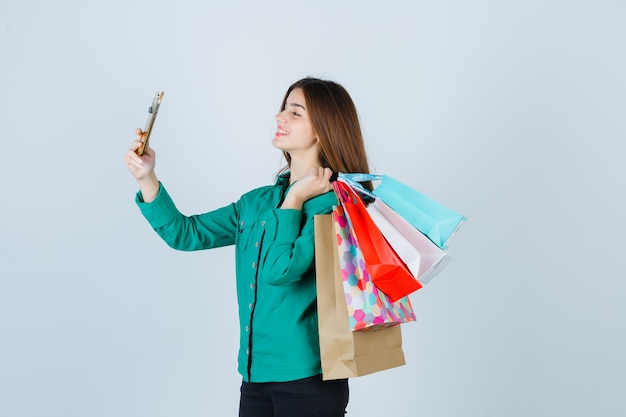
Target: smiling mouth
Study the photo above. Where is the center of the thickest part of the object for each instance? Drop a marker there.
(282, 132)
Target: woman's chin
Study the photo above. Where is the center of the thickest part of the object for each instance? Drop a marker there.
(276, 142)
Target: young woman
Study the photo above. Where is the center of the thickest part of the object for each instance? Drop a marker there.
(272, 230)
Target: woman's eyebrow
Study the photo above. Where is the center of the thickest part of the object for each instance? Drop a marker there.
(296, 105)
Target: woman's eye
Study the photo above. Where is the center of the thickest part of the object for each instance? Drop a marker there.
(294, 113)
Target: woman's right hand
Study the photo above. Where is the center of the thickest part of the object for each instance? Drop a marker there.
(141, 167)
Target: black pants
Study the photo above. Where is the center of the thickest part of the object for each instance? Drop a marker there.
(309, 397)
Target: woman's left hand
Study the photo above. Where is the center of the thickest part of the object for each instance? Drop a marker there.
(314, 183)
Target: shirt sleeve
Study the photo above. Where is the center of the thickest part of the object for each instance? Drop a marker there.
(291, 254)
(202, 231)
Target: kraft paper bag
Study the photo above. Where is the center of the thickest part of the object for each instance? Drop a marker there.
(345, 353)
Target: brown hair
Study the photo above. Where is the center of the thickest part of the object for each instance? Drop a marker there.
(335, 122)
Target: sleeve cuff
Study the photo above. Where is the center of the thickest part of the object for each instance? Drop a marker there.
(160, 211)
(288, 224)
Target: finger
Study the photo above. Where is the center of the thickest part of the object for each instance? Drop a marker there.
(135, 145)
(132, 164)
(328, 186)
(328, 173)
(133, 159)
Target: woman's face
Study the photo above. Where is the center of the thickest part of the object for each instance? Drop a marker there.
(294, 134)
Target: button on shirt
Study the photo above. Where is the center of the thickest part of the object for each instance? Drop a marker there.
(274, 254)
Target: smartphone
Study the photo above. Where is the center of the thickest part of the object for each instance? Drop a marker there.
(152, 113)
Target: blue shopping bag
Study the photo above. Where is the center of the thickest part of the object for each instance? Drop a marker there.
(430, 217)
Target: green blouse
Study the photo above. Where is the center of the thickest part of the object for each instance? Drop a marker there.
(275, 272)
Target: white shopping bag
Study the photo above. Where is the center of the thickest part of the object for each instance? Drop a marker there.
(423, 258)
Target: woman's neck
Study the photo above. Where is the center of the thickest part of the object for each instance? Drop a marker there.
(299, 168)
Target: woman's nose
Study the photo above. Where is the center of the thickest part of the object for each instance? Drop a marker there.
(280, 117)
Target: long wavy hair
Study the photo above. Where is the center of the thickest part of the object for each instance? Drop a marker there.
(335, 121)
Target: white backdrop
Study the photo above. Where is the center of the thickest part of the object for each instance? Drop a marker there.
(511, 112)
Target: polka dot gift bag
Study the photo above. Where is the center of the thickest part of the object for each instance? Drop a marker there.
(368, 307)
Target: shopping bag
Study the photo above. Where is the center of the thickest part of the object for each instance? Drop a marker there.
(387, 270)
(423, 258)
(368, 308)
(343, 352)
(432, 218)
